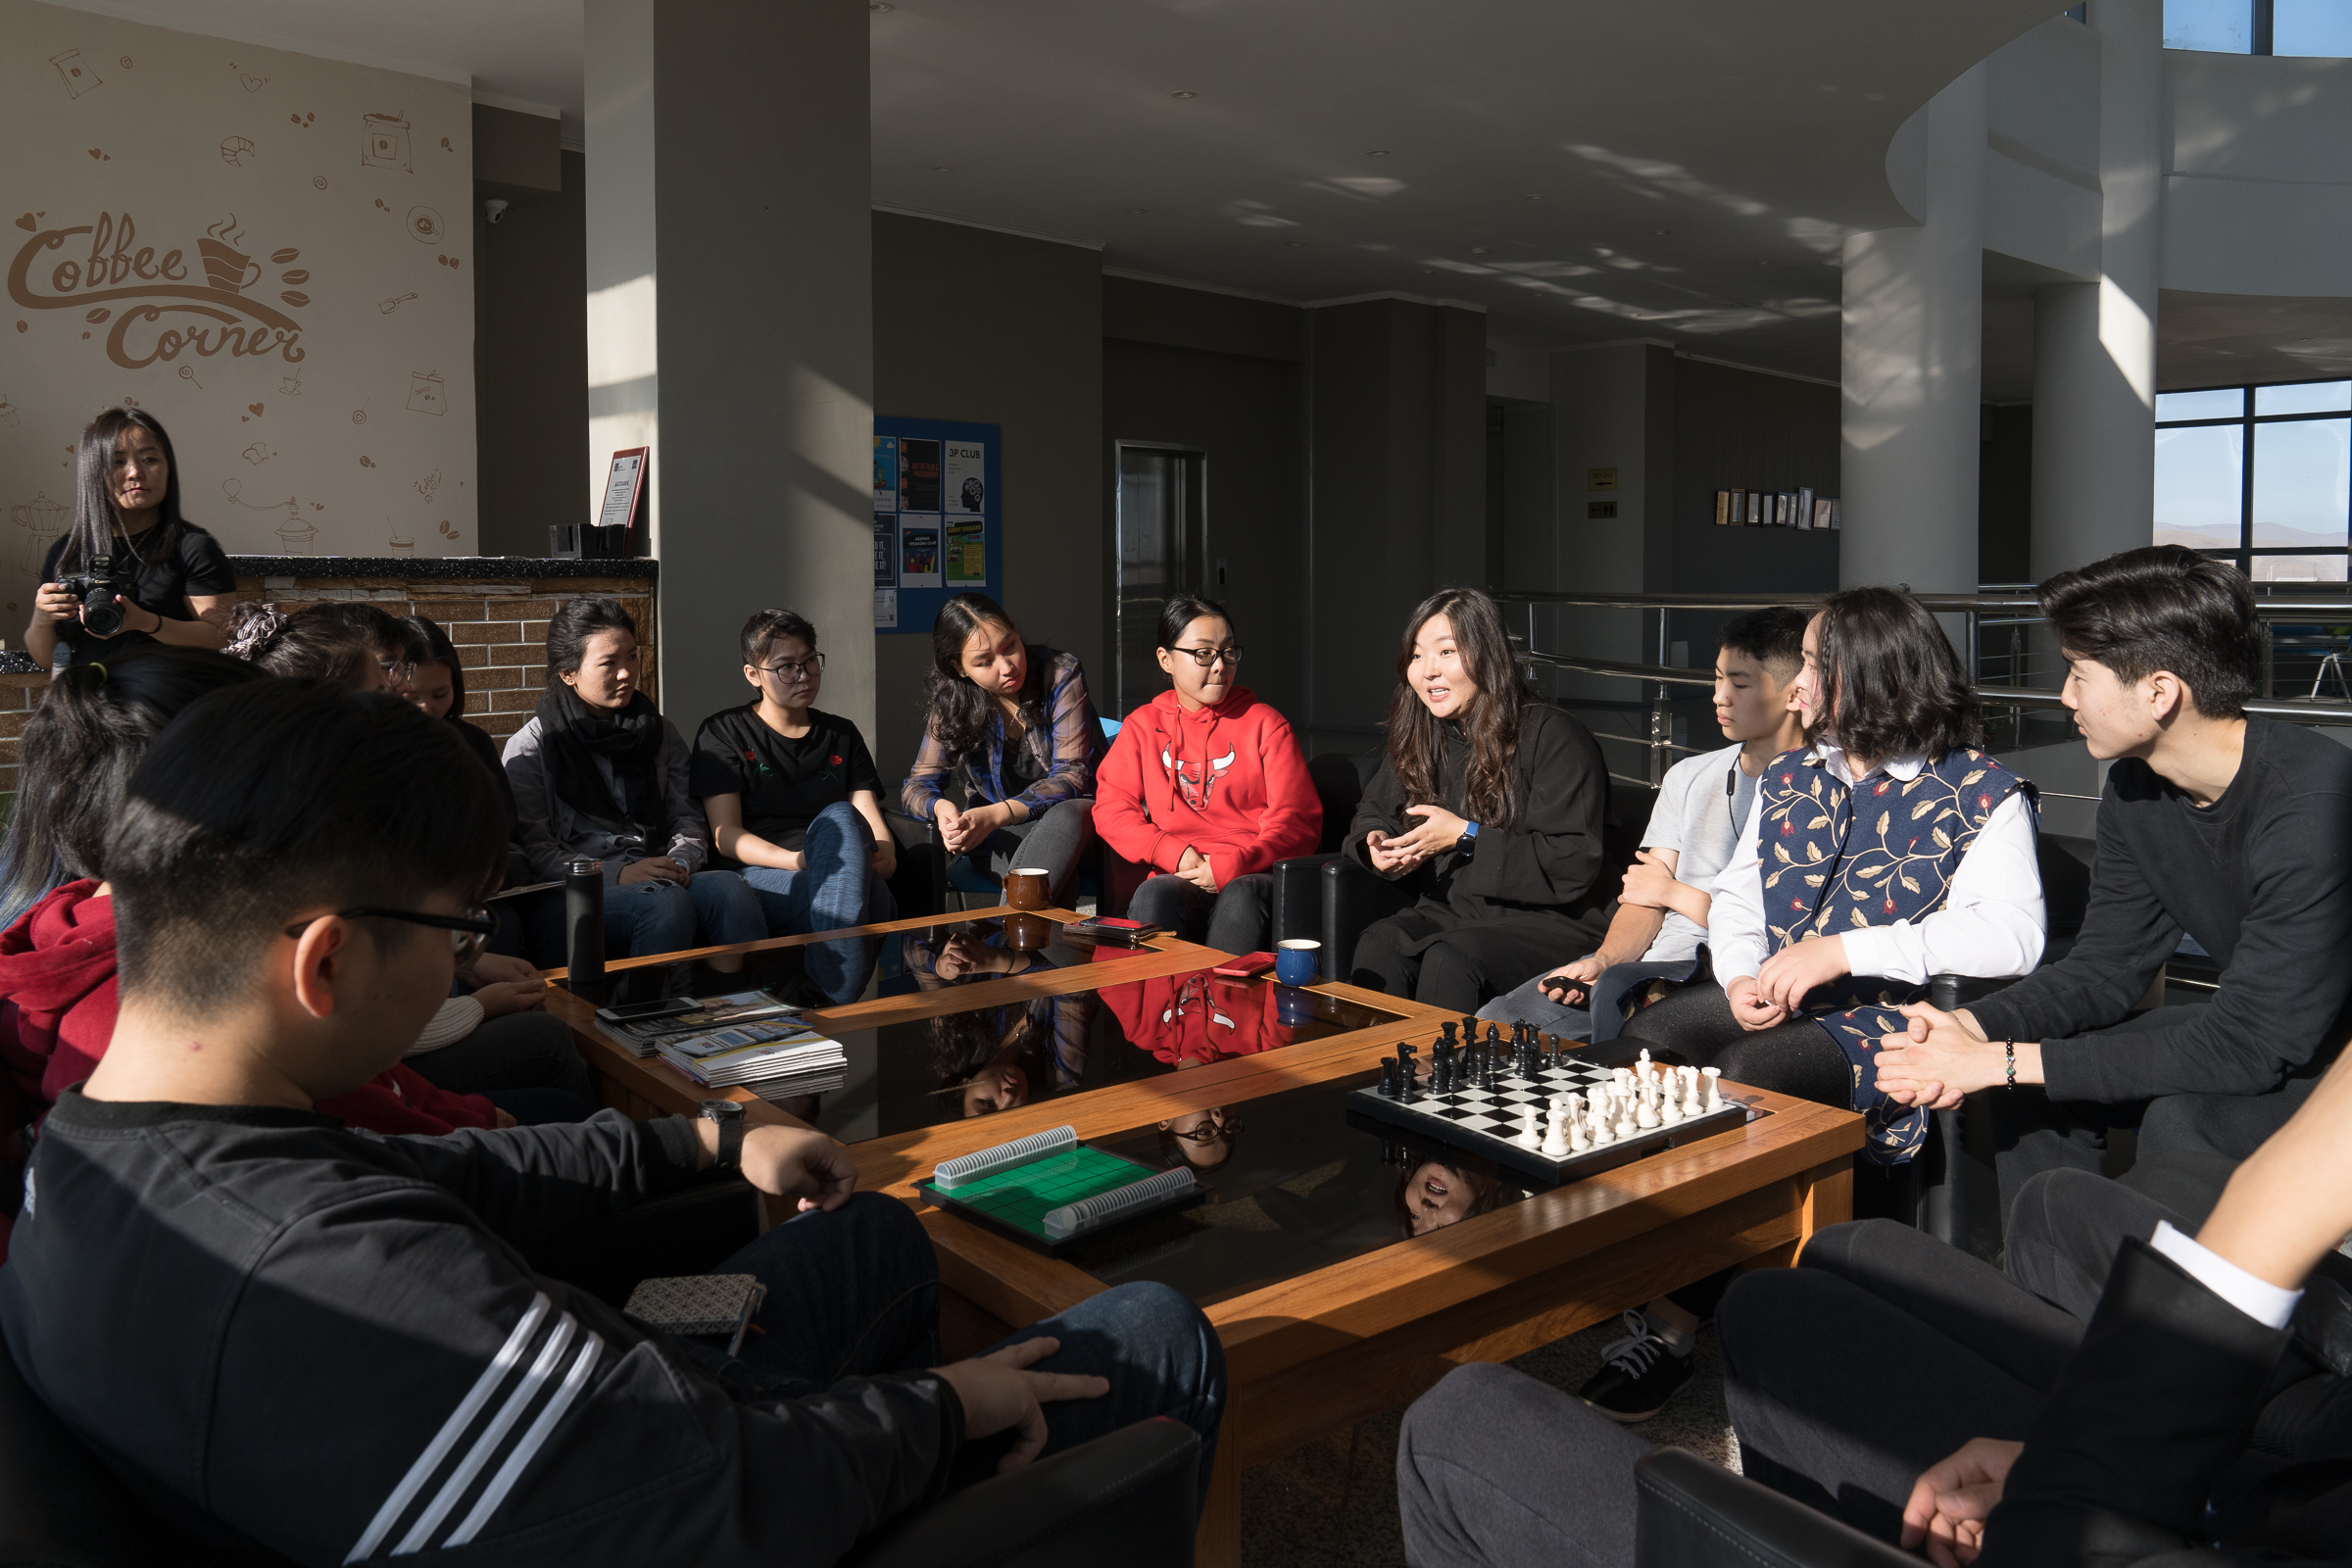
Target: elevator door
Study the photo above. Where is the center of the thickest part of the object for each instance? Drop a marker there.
(1162, 545)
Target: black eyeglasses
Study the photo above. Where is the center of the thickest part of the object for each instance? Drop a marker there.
(469, 933)
(1208, 1132)
(813, 664)
(1206, 656)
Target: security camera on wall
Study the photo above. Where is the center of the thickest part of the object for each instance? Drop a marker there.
(493, 210)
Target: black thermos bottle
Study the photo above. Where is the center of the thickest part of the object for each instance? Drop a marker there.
(584, 919)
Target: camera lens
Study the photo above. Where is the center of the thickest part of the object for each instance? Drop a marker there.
(99, 612)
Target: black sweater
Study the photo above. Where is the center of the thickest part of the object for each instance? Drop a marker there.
(264, 1321)
(1547, 865)
(2263, 880)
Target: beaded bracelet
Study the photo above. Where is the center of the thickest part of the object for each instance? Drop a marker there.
(2009, 1055)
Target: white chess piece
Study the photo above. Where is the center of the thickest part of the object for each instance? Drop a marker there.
(1621, 1079)
(1625, 1125)
(1670, 1106)
(1714, 1088)
(1694, 1105)
(1645, 1110)
(1555, 1137)
(1579, 1140)
(1530, 1130)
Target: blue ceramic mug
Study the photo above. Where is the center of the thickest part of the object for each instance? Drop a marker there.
(1300, 961)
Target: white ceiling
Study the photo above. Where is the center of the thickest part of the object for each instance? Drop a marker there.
(1681, 169)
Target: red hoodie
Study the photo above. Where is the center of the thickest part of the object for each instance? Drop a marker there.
(1189, 1020)
(57, 1013)
(1226, 780)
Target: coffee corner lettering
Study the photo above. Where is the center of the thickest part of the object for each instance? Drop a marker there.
(119, 269)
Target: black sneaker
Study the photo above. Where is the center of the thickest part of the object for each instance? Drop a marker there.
(1638, 1375)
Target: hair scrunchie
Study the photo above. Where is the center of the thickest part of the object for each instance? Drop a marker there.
(102, 676)
(249, 625)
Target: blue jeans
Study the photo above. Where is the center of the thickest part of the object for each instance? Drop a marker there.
(836, 887)
(647, 917)
(855, 1293)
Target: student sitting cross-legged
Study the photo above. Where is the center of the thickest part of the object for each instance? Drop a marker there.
(1205, 786)
(2234, 831)
(329, 1343)
(1661, 922)
(598, 773)
(794, 801)
(2171, 1396)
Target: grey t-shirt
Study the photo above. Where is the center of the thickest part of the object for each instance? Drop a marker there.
(1700, 805)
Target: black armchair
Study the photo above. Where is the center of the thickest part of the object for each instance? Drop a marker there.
(1689, 1513)
(1132, 1495)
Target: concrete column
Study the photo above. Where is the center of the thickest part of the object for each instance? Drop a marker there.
(2095, 344)
(1398, 442)
(1612, 409)
(1912, 354)
(731, 304)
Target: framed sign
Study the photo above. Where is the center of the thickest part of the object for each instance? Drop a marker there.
(938, 519)
(625, 489)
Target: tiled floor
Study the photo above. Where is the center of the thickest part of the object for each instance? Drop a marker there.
(1333, 1504)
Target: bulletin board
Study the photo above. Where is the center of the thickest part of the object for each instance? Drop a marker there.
(938, 519)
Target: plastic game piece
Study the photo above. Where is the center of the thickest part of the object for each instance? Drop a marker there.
(1714, 1088)
(1645, 1110)
(1579, 1139)
(1531, 1127)
(1555, 1136)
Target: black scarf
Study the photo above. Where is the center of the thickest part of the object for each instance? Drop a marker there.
(574, 735)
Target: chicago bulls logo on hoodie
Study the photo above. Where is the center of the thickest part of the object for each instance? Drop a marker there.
(1188, 782)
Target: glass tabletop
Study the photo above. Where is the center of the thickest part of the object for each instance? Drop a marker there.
(981, 1061)
(1296, 1182)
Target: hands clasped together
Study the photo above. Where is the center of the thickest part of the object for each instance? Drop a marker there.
(1395, 855)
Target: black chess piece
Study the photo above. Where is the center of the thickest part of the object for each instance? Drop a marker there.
(1494, 1035)
(1387, 1078)
(1449, 1028)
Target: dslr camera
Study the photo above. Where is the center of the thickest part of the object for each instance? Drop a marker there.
(96, 588)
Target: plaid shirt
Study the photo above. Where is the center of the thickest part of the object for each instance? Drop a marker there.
(1067, 746)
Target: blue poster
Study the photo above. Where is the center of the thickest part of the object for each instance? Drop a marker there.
(938, 519)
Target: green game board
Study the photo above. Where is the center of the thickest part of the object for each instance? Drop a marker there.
(1015, 1200)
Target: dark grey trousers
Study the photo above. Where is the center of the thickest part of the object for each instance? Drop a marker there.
(1231, 919)
(1493, 1468)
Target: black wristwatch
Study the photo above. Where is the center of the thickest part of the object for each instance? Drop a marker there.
(728, 1113)
(1468, 842)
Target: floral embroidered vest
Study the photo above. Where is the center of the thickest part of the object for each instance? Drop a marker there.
(1838, 858)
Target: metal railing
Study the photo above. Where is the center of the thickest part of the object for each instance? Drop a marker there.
(2001, 610)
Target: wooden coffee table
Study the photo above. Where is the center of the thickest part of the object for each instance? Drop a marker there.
(1318, 1337)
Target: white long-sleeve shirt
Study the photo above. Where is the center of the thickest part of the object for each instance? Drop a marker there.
(1991, 925)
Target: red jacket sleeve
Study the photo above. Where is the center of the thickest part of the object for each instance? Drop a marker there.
(458, 1110)
(1119, 812)
(1292, 822)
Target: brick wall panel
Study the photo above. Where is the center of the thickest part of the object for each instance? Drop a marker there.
(533, 609)
(492, 680)
(519, 702)
(476, 631)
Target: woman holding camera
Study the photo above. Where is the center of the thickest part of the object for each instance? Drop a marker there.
(172, 583)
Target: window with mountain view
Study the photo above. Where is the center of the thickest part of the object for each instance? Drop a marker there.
(2261, 475)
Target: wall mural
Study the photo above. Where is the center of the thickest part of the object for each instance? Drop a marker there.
(269, 253)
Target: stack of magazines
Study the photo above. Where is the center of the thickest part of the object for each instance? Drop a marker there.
(749, 1039)
(773, 1060)
(695, 1015)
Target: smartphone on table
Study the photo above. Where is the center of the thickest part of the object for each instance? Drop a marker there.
(1246, 966)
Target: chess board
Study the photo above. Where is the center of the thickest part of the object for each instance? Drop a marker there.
(1486, 1121)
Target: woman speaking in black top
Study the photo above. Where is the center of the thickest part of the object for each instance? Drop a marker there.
(1489, 807)
(175, 584)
